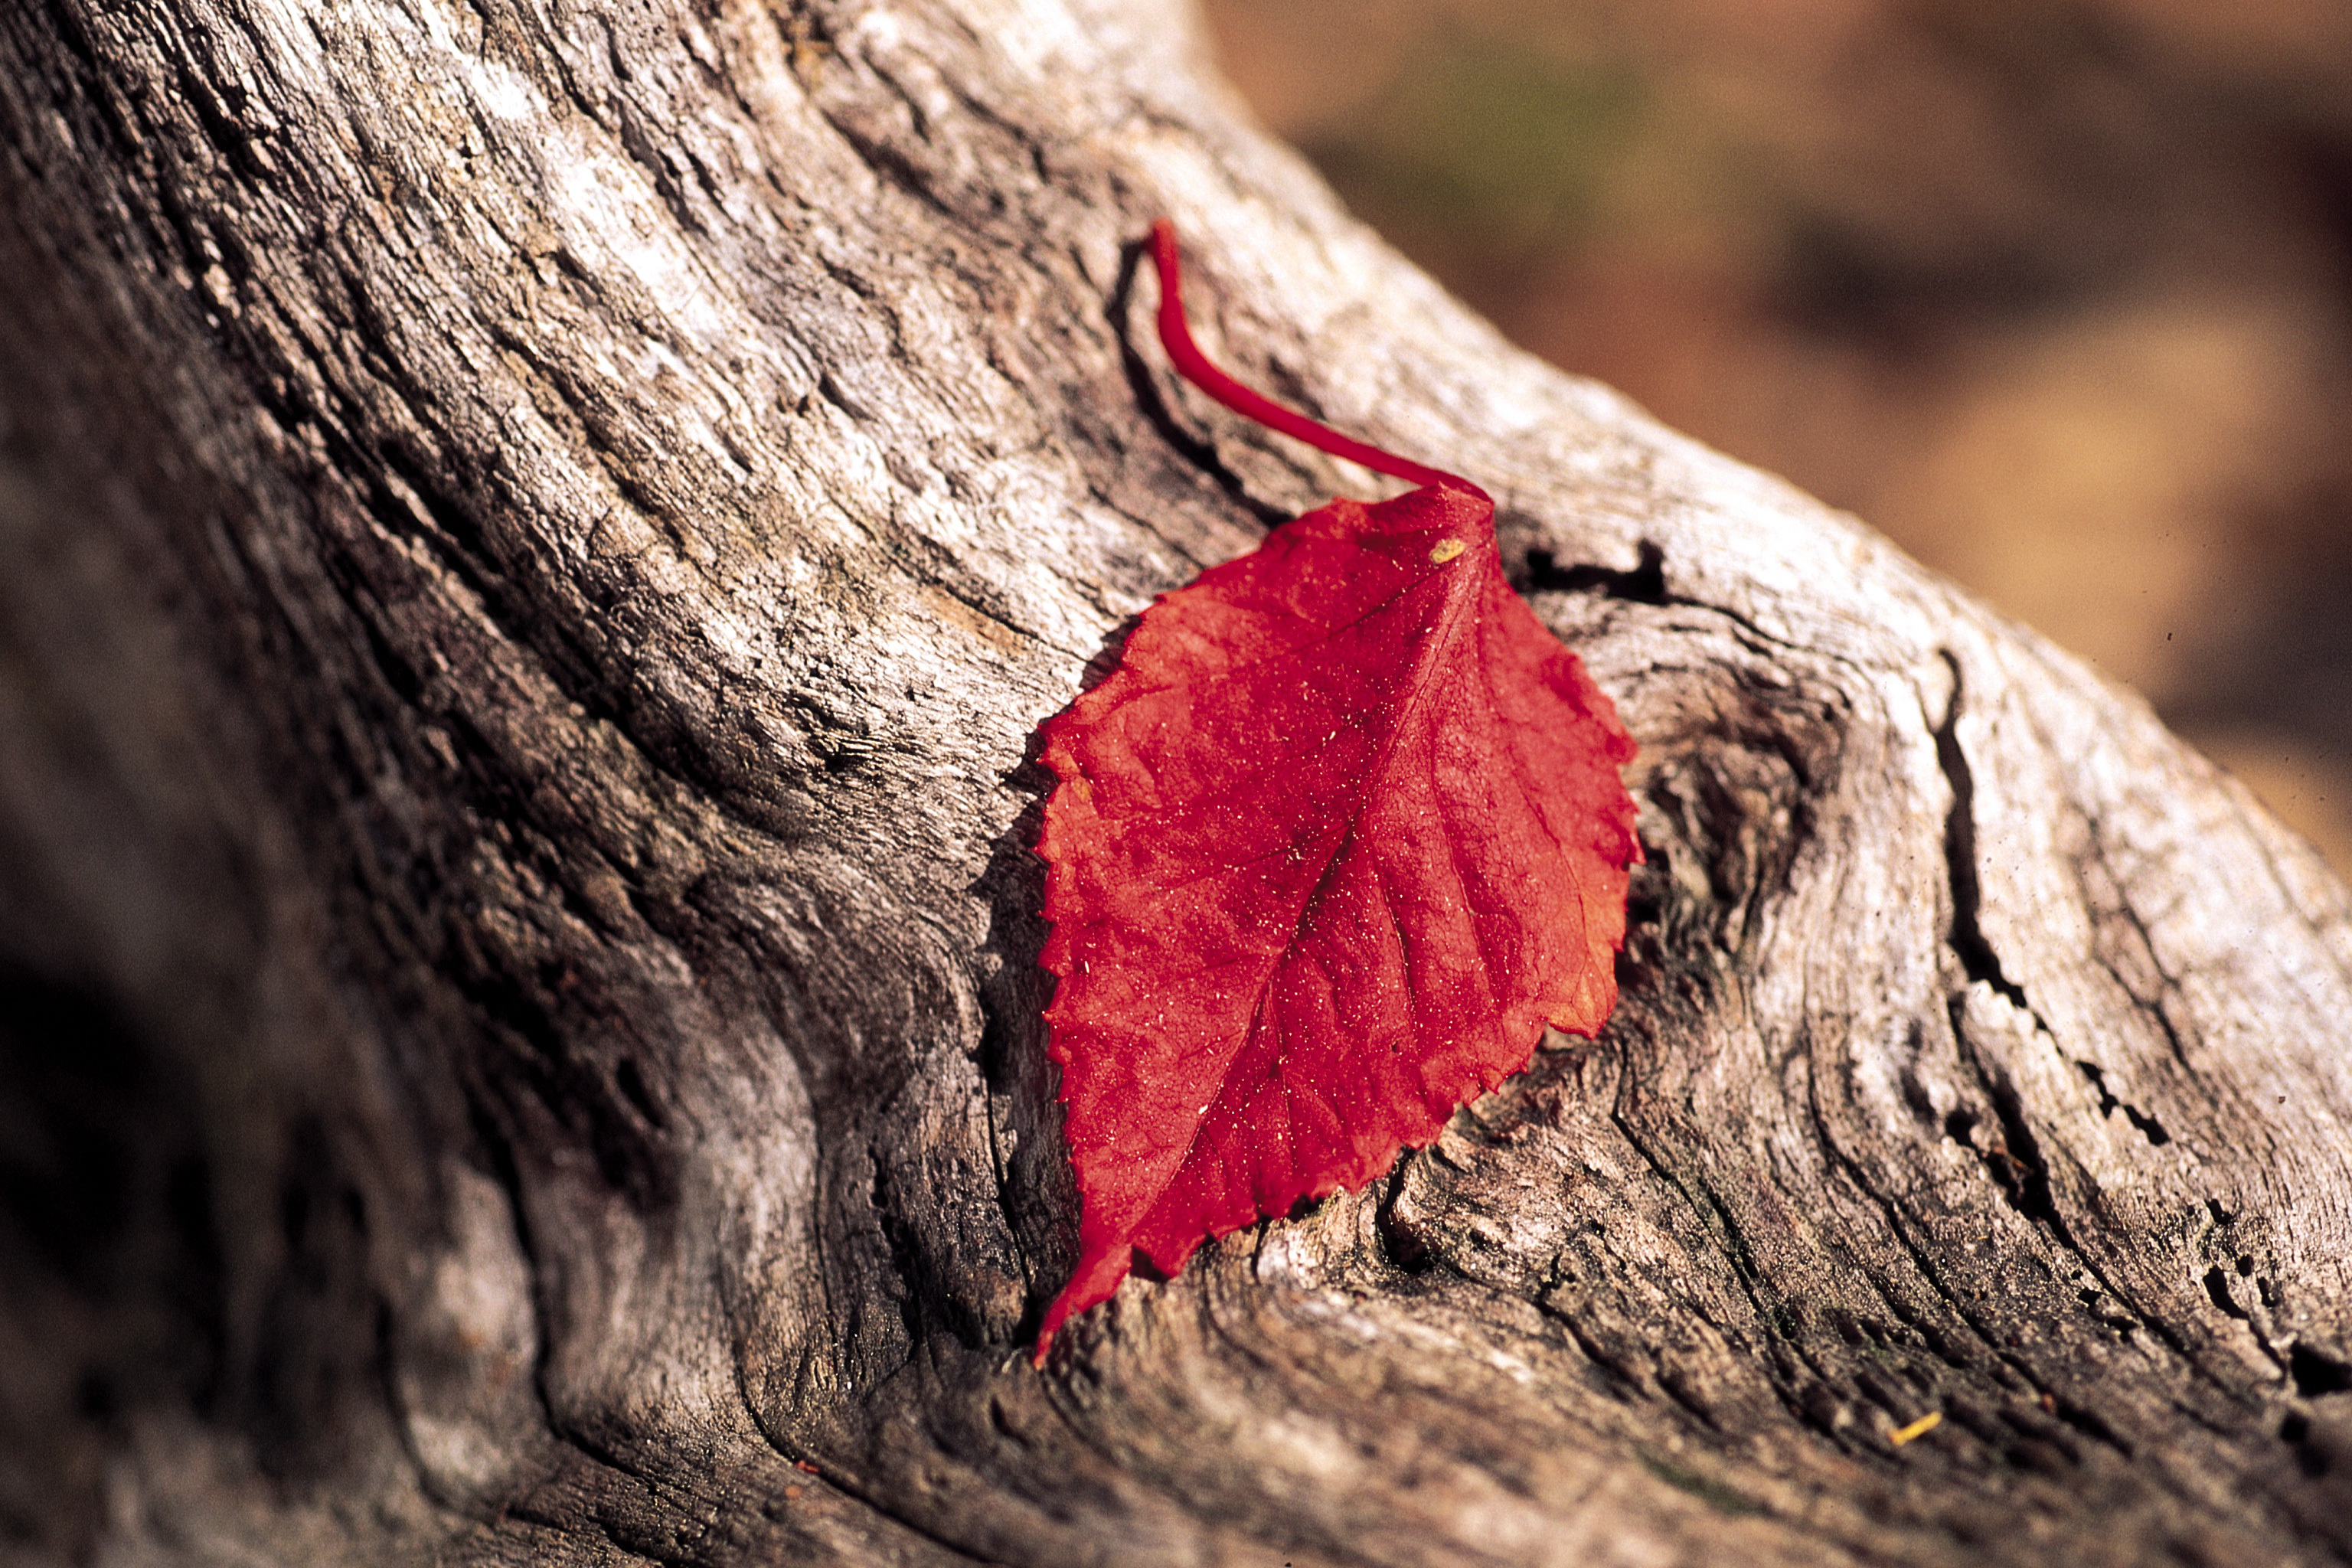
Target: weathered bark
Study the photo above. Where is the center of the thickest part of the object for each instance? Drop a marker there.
(536, 539)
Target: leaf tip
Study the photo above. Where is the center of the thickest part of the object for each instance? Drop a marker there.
(1097, 1275)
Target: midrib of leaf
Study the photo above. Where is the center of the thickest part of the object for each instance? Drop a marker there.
(1448, 627)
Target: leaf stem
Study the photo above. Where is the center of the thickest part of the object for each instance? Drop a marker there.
(1176, 337)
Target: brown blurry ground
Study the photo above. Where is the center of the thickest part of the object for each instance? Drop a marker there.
(2057, 295)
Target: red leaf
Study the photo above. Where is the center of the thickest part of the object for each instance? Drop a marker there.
(1339, 836)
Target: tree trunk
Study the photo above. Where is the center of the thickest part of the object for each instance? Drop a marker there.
(536, 537)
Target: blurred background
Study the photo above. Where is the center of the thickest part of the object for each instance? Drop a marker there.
(2058, 295)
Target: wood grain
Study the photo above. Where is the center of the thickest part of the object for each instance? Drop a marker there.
(537, 541)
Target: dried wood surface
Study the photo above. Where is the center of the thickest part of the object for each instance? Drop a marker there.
(535, 539)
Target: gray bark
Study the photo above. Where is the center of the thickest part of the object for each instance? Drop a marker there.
(537, 536)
